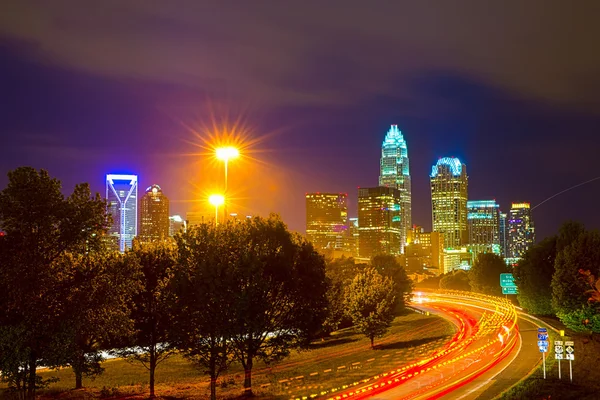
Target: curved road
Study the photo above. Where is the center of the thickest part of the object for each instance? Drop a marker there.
(491, 351)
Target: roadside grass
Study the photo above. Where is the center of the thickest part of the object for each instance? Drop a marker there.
(341, 359)
(586, 374)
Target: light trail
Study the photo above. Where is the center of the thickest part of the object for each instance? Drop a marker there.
(566, 190)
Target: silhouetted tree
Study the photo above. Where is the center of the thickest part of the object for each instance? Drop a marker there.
(40, 224)
(456, 280)
(371, 299)
(388, 265)
(151, 313)
(484, 275)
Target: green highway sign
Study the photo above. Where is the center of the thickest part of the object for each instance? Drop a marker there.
(509, 290)
(507, 281)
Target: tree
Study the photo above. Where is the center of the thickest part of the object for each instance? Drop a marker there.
(203, 285)
(370, 300)
(340, 273)
(150, 311)
(569, 291)
(456, 280)
(484, 275)
(40, 225)
(533, 277)
(279, 294)
(388, 265)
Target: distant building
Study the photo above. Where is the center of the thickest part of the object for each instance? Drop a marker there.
(457, 259)
(449, 184)
(394, 172)
(176, 224)
(424, 251)
(199, 217)
(502, 235)
(154, 216)
(121, 195)
(352, 237)
(521, 230)
(379, 221)
(483, 218)
(326, 219)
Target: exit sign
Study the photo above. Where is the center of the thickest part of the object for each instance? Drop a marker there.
(509, 290)
(507, 281)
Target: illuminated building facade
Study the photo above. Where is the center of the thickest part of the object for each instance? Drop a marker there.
(326, 219)
(154, 215)
(521, 230)
(424, 251)
(379, 219)
(449, 184)
(121, 195)
(502, 234)
(483, 218)
(176, 224)
(352, 237)
(394, 172)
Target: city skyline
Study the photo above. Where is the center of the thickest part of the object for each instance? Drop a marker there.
(320, 129)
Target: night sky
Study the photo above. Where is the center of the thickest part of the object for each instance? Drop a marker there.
(510, 87)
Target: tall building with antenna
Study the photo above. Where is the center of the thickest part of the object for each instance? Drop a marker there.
(449, 184)
(394, 172)
(520, 229)
(121, 195)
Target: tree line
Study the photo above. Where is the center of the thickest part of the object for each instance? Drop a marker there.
(237, 292)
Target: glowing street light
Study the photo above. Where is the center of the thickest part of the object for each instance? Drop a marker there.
(225, 154)
(216, 200)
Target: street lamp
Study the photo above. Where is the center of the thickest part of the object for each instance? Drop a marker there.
(216, 200)
(225, 154)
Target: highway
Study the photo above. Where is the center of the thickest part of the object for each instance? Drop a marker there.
(491, 350)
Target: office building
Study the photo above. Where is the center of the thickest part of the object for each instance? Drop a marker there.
(379, 221)
(176, 224)
(394, 172)
(521, 231)
(502, 235)
(121, 195)
(424, 251)
(351, 244)
(449, 183)
(483, 219)
(154, 215)
(326, 219)
(457, 259)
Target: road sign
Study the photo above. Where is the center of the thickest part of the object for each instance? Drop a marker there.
(507, 280)
(542, 336)
(570, 350)
(542, 343)
(543, 349)
(542, 330)
(558, 350)
(509, 290)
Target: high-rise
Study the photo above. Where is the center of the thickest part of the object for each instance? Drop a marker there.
(121, 195)
(394, 172)
(154, 215)
(521, 231)
(379, 221)
(502, 235)
(326, 219)
(483, 220)
(449, 183)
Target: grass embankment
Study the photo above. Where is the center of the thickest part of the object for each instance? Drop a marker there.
(343, 358)
(586, 372)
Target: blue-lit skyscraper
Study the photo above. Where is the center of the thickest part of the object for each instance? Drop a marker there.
(449, 184)
(483, 220)
(394, 172)
(121, 194)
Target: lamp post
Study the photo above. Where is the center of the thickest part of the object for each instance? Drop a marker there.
(225, 154)
(216, 200)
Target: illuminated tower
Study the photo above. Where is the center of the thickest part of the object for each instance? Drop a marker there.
(121, 195)
(394, 172)
(154, 215)
(483, 220)
(326, 219)
(502, 235)
(521, 231)
(449, 183)
(379, 221)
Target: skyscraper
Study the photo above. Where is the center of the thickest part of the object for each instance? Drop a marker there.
(154, 215)
(326, 219)
(121, 194)
(521, 231)
(483, 220)
(394, 172)
(379, 221)
(449, 183)
(502, 235)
